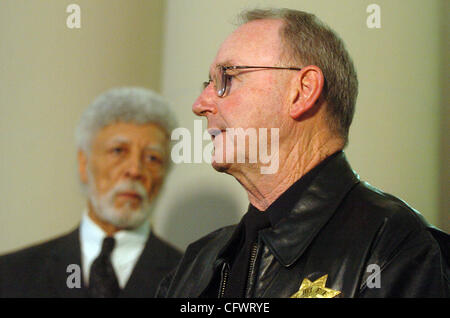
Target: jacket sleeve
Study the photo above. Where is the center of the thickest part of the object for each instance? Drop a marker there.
(416, 268)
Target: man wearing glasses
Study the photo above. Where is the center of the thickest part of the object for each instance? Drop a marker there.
(313, 228)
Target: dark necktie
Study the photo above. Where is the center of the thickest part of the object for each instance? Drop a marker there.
(102, 279)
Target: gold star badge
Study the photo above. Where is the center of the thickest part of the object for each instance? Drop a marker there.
(315, 289)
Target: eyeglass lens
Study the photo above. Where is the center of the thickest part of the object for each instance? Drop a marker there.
(221, 81)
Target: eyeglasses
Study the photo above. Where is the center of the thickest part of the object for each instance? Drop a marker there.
(221, 78)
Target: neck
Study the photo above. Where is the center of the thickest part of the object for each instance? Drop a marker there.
(108, 228)
(264, 189)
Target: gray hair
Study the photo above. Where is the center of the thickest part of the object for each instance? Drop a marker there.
(309, 41)
(125, 104)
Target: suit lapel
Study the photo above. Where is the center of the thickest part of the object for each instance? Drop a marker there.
(148, 272)
(66, 252)
(143, 282)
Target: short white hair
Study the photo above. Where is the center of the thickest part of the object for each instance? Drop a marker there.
(124, 104)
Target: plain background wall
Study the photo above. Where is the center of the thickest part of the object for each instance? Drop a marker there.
(444, 206)
(49, 74)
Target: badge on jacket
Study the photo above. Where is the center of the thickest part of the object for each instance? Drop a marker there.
(315, 289)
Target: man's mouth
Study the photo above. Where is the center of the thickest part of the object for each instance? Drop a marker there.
(214, 132)
(130, 195)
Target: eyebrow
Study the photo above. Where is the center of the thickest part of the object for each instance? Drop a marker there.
(227, 62)
(125, 140)
(155, 147)
(118, 140)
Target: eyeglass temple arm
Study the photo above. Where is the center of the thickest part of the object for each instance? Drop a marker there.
(275, 67)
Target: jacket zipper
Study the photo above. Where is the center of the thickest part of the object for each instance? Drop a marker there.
(223, 283)
(251, 269)
(225, 272)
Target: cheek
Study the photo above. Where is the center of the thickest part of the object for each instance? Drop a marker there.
(268, 108)
(154, 180)
(259, 114)
(238, 111)
(102, 177)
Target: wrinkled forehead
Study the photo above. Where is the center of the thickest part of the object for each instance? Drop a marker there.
(254, 43)
(147, 135)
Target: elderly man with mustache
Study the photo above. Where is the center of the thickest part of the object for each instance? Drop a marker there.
(123, 141)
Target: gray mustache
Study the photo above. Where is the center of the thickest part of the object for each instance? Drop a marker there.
(135, 186)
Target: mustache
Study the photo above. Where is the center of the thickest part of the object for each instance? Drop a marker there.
(125, 186)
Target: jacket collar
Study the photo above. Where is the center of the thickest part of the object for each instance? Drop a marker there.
(290, 237)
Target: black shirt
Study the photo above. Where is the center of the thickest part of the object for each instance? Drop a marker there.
(251, 223)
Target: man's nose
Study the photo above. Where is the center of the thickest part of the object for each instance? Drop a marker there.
(205, 104)
(134, 169)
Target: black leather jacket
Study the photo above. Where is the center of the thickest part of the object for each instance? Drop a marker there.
(343, 228)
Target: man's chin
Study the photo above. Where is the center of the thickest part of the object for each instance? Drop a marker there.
(126, 218)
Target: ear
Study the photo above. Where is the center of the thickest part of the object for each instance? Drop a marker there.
(82, 166)
(306, 90)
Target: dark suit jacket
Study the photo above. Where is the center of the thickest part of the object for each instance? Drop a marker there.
(41, 270)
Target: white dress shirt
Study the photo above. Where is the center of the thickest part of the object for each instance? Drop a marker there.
(129, 246)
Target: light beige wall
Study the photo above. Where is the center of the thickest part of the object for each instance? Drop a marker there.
(48, 75)
(444, 207)
(394, 141)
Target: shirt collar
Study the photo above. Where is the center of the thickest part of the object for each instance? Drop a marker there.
(92, 236)
(128, 247)
(289, 239)
(281, 207)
